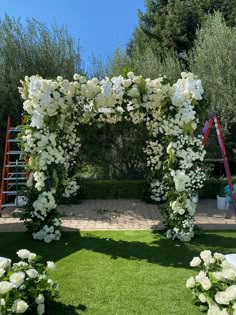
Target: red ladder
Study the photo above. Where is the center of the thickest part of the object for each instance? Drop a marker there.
(13, 174)
(213, 118)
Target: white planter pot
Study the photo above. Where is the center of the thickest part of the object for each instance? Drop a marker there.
(222, 203)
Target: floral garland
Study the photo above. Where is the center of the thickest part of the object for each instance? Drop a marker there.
(25, 286)
(54, 109)
(214, 288)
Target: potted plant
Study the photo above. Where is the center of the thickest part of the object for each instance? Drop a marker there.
(222, 200)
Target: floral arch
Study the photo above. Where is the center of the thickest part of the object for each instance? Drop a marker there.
(50, 137)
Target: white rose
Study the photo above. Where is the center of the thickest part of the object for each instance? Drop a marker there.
(20, 306)
(181, 211)
(190, 283)
(51, 265)
(40, 309)
(5, 287)
(221, 298)
(76, 76)
(32, 273)
(231, 292)
(17, 279)
(23, 253)
(39, 299)
(200, 276)
(196, 261)
(202, 298)
(214, 310)
(59, 78)
(225, 264)
(228, 274)
(32, 256)
(2, 271)
(2, 302)
(206, 255)
(223, 312)
(206, 283)
(4, 262)
(218, 275)
(219, 256)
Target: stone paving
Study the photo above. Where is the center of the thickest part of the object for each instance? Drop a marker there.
(124, 214)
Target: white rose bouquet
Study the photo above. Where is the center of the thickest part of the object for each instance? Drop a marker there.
(214, 287)
(25, 286)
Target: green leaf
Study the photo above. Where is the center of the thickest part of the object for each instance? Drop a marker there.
(55, 179)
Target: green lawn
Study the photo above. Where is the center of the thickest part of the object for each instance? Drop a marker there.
(121, 273)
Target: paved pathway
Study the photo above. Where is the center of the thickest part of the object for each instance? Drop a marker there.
(123, 214)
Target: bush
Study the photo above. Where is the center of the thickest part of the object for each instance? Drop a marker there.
(212, 188)
(213, 59)
(136, 189)
(25, 287)
(112, 189)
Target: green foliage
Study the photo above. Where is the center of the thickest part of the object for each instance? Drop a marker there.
(117, 150)
(212, 187)
(149, 65)
(113, 189)
(171, 24)
(119, 63)
(213, 59)
(28, 50)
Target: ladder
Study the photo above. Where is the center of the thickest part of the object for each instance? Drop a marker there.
(13, 171)
(213, 118)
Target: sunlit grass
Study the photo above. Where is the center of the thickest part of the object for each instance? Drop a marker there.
(120, 273)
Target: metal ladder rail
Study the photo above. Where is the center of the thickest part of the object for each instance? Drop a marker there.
(214, 119)
(5, 159)
(11, 176)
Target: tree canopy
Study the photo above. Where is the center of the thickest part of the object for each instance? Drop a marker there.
(172, 24)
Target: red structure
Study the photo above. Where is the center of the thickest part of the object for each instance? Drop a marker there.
(13, 174)
(213, 118)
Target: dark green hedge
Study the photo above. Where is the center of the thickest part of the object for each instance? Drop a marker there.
(137, 189)
(212, 188)
(112, 189)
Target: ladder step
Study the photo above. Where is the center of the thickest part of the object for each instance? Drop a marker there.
(14, 178)
(18, 173)
(15, 152)
(14, 165)
(10, 192)
(15, 129)
(8, 205)
(13, 140)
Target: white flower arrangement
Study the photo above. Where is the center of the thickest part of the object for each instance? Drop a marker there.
(25, 286)
(214, 287)
(54, 109)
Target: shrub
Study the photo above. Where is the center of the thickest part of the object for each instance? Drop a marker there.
(25, 286)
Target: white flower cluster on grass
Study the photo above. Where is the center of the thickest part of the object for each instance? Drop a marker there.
(51, 139)
(215, 286)
(25, 285)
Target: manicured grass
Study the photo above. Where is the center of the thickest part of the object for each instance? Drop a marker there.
(121, 273)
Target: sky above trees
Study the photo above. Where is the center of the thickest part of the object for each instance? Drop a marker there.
(100, 25)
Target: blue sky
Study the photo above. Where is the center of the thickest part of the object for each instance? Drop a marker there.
(100, 25)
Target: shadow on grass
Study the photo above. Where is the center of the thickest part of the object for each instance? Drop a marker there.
(63, 309)
(157, 249)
